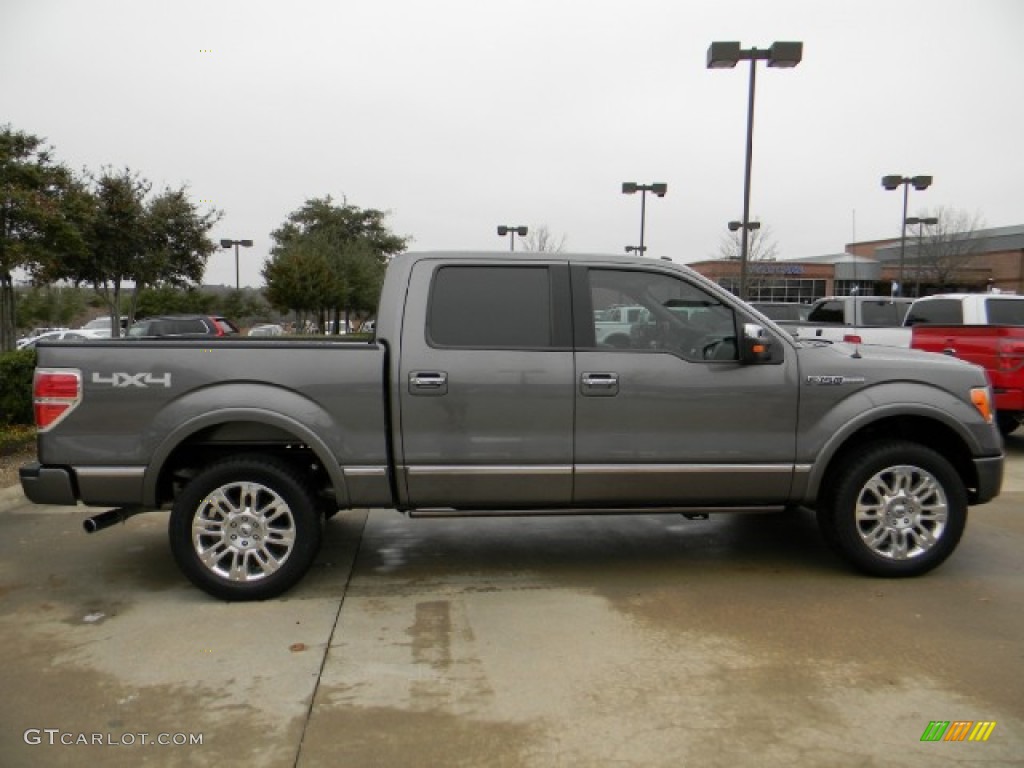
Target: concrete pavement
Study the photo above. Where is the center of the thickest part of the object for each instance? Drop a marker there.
(592, 641)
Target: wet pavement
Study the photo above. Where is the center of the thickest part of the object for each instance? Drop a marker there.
(592, 641)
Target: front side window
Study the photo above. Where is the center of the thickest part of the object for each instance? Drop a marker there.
(828, 312)
(639, 310)
(489, 307)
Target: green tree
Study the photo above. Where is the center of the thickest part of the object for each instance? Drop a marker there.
(37, 216)
(329, 259)
(298, 279)
(49, 305)
(132, 238)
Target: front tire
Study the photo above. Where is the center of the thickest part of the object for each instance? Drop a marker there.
(246, 528)
(895, 509)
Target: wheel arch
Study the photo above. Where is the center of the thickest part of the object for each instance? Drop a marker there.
(235, 430)
(930, 429)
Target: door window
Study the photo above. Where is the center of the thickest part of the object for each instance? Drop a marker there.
(637, 310)
(487, 307)
(941, 311)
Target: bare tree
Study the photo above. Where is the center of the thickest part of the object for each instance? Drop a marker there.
(540, 240)
(761, 245)
(947, 248)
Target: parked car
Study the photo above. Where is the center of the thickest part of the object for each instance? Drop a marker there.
(267, 329)
(999, 349)
(856, 319)
(102, 323)
(65, 335)
(789, 311)
(185, 326)
(968, 309)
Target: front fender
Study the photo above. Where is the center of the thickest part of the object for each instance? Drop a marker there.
(874, 406)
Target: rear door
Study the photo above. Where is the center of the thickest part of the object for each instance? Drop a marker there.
(675, 418)
(486, 385)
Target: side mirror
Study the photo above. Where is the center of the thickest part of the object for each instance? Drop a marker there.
(755, 345)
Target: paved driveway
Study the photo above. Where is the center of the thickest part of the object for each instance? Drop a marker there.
(595, 641)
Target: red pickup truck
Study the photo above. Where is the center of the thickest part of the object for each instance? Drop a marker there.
(999, 349)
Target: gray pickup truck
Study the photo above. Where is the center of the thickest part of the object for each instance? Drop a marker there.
(486, 392)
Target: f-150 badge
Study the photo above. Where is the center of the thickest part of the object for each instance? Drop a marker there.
(834, 381)
(125, 380)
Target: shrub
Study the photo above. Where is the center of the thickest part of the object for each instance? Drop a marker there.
(16, 387)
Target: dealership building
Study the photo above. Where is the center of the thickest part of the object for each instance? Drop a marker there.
(990, 259)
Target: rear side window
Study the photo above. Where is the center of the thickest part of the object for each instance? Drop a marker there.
(884, 313)
(1005, 311)
(183, 327)
(936, 311)
(491, 307)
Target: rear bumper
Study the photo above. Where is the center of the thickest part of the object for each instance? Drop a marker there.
(990, 479)
(47, 485)
(93, 486)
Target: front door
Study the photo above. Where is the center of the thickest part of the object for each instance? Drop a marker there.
(665, 413)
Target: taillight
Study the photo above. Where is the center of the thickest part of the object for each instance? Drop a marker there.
(55, 393)
(1010, 355)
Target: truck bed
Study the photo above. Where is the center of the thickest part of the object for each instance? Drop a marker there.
(146, 396)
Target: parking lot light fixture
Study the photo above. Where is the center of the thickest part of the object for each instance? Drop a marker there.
(891, 183)
(637, 249)
(512, 232)
(631, 188)
(726, 55)
(751, 225)
(236, 243)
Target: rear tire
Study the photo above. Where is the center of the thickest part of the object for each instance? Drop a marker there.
(246, 528)
(896, 509)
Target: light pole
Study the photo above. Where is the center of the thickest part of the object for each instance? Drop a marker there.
(512, 232)
(750, 226)
(892, 183)
(631, 188)
(726, 56)
(236, 243)
(637, 249)
(928, 221)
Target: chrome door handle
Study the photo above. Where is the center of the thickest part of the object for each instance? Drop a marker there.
(599, 384)
(428, 383)
(601, 379)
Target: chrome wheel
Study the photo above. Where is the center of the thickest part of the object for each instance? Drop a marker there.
(243, 531)
(893, 508)
(901, 512)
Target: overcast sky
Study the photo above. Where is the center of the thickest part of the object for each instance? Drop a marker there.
(459, 115)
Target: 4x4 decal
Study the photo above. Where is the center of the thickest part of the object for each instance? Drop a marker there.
(124, 380)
